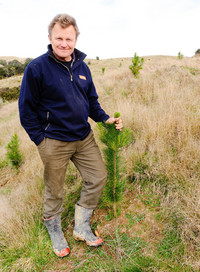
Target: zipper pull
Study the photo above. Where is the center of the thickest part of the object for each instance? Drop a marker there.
(71, 77)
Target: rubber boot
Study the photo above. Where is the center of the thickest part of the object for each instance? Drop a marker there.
(82, 230)
(60, 245)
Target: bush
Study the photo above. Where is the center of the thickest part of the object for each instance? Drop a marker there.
(198, 51)
(27, 61)
(3, 72)
(9, 94)
(13, 67)
(3, 62)
(136, 66)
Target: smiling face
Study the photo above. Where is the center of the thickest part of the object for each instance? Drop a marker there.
(63, 41)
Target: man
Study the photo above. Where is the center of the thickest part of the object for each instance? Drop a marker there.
(57, 96)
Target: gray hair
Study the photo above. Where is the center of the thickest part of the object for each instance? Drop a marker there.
(64, 20)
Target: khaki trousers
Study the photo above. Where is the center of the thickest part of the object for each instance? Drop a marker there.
(86, 157)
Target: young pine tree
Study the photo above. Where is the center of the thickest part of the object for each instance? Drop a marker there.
(13, 153)
(180, 56)
(114, 140)
(136, 66)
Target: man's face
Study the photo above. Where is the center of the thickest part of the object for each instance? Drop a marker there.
(63, 41)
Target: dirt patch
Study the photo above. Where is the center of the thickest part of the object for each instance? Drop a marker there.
(137, 220)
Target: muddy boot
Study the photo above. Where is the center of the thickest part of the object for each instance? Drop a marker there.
(60, 245)
(82, 230)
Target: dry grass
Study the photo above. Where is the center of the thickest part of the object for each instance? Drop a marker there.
(20, 198)
(162, 108)
(11, 82)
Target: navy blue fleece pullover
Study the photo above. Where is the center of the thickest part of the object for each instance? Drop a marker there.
(55, 102)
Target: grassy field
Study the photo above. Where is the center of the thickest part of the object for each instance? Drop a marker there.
(159, 225)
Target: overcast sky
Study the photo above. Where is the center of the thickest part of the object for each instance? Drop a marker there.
(109, 28)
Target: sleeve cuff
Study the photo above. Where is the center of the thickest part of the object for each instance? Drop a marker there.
(38, 140)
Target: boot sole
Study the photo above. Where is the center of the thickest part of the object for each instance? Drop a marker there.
(98, 242)
(63, 253)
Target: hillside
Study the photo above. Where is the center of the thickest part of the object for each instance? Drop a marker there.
(10, 58)
(158, 228)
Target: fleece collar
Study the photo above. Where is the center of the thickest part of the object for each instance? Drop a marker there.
(76, 55)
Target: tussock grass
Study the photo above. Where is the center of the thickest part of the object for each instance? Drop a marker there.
(162, 173)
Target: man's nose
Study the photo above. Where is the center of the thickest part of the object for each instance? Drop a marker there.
(64, 44)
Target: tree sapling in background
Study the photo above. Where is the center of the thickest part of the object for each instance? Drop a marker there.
(13, 153)
(136, 66)
(180, 55)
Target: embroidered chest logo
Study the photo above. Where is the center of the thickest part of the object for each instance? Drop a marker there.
(82, 77)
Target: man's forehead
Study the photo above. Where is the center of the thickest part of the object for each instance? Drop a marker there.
(60, 27)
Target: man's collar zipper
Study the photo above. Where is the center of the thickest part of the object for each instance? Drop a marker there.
(71, 74)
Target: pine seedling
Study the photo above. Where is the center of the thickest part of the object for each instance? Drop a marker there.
(114, 140)
(13, 153)
(137, 65)
(180, 56)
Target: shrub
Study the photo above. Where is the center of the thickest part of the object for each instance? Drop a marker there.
(3, 62)
(136, 65)
(27, 61)
(3, 72)
(198, 51)
(103, 70)
(13, 67)
(9, 94)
